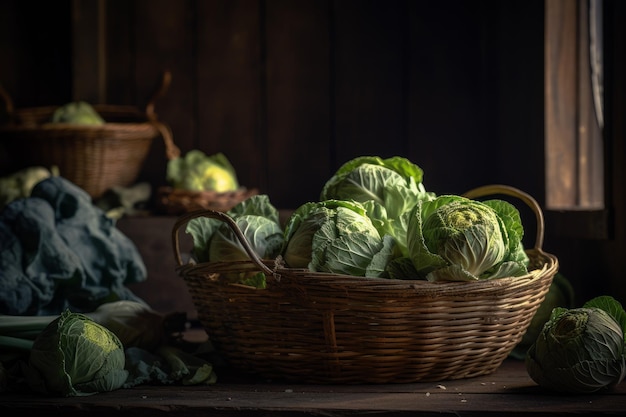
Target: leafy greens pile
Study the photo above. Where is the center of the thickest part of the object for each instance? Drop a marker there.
(58, 251)
(69, 324)
(375, 218)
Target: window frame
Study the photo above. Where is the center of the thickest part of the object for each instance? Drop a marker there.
(577, 160)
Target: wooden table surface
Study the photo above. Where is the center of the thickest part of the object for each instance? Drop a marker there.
(508, 391)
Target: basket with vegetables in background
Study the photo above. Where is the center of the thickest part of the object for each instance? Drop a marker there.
(378, 282)
(95, 147)
(201, 182)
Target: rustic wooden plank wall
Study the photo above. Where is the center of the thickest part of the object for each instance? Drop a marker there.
(291, 90)
(35, 51)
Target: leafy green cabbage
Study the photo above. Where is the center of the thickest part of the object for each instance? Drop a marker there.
(453, 238)
(197, 171)
(77, 112)
(264, 236)
(75, 356)
(580, 350)
(337, 237)
(258, 220)
(387, 188)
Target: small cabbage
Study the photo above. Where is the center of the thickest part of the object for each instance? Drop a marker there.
(453, 238)
(197, 171)
(580, 350)
(264, 236)
(256, 218)
(75, 356)
(337, 237)
(388, 188)
(77, 112)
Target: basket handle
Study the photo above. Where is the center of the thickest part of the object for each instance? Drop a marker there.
(184, 219)
(171, 150)
(161, 87)
(514, 192)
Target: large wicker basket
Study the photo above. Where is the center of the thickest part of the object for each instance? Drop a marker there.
(95, 158)
(327, 328)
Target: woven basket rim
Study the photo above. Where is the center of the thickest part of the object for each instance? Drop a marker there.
(177, 201)
(56, 127)
(547, 269)
(241, 191)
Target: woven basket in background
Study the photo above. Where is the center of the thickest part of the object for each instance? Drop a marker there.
(174, 201)
(96, 158)
(327, 328)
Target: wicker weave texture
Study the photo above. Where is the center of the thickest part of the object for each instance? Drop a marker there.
(327, 328)
(330, 329)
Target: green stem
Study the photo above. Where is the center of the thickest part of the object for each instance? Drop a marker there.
(12, 324)
(9, 343)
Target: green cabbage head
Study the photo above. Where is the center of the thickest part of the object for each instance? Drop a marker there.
(78, 113)
(580, 350)
(336, 236)
(197, 171)
(395, 183)
(453, 238)
(75, 356)
(257, 219)
(388, 188)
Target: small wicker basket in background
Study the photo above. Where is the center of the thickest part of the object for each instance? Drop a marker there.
(328, 328)
(96, 158)
(174, 201)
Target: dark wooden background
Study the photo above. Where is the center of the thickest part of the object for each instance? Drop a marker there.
(289, 90)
